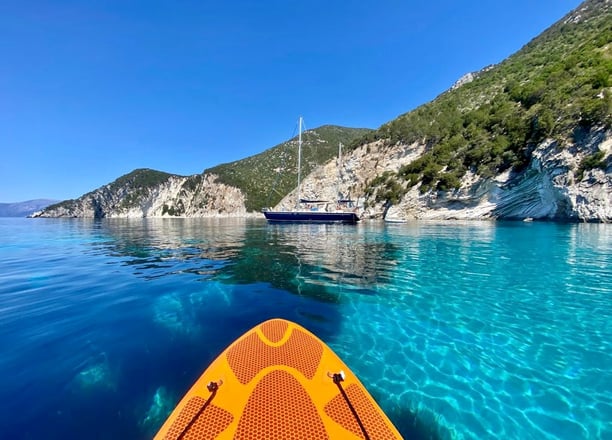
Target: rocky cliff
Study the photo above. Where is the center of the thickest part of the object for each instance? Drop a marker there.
(175, 196)
(547, 189)
(553, 186)
(528, 138)
(226, 190)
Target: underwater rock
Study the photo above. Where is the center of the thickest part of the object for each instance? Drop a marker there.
(174, 313)
(162, 405)
(182, 314)
(97, 374)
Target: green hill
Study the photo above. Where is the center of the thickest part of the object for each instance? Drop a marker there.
(557, 86)
(263, 179)
(267, 177)
(126, 191)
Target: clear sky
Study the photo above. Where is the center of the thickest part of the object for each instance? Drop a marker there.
(93, 89)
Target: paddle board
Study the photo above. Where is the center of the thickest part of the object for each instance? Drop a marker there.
(278, 381)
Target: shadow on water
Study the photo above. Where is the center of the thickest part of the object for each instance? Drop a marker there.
(414, 426)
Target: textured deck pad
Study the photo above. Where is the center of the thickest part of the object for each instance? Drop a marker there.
(280, 408)
(275, 382)
(251, 355)
(198, 421)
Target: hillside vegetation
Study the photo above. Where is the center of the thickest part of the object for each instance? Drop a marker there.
(557, 86)
(130, 189)
(267, 177)
(262, 179)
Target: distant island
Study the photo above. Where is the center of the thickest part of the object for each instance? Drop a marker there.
(24, 209)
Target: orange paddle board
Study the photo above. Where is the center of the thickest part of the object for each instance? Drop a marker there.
(278, 381)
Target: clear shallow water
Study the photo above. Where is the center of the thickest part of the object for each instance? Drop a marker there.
(463, 330)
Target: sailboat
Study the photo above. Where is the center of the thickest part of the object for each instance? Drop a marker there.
(313, 211)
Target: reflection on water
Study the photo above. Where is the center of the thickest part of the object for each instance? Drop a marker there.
(307, 259)
(155, 246)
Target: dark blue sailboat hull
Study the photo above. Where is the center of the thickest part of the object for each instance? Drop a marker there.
(311, 217)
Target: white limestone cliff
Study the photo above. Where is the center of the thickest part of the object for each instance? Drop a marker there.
(547, 189)
(173, 198)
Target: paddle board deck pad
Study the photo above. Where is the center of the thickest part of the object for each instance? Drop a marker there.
(278, 381)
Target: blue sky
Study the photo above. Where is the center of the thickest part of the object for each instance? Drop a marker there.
(91, 90)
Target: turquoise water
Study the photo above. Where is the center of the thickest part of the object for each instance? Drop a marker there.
(460, 330)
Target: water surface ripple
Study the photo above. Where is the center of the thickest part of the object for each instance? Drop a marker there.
(459, 330)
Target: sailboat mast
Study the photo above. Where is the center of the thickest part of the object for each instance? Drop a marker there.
(299, 164)
(338, 195)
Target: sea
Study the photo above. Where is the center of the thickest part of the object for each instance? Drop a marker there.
(460, 330)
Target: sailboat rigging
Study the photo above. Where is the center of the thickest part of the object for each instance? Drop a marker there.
(313, 211)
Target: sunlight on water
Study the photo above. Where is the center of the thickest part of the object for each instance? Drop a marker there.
(518, 353)
(459, 330)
